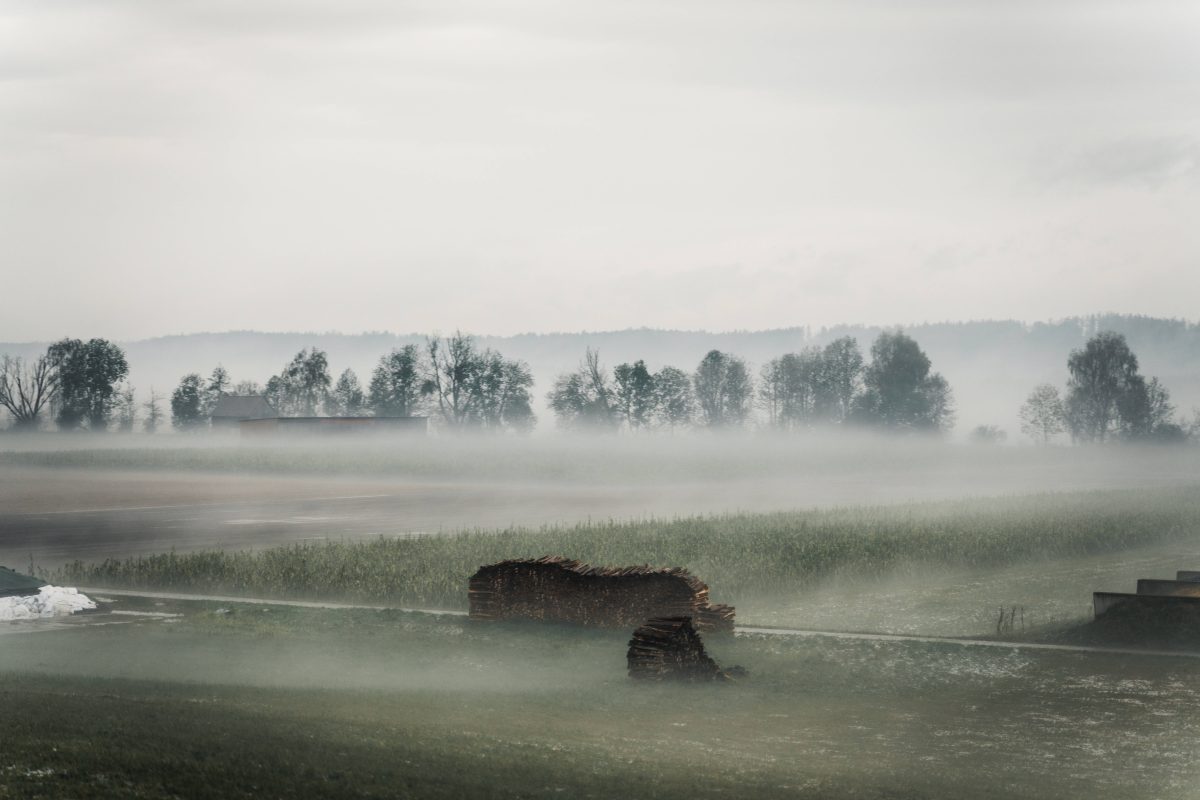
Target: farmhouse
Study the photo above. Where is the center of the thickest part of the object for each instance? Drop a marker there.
(232, 409)
(287, 427)
(557, 589)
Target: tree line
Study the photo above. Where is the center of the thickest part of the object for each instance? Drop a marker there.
(79, 384)
(817, 387)
(1107, 399)
(452, 379)
(462, 386)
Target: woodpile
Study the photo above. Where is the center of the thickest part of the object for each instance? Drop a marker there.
(670, 649)
(558, 589)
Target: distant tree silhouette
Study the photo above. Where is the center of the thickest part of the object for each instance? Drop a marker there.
(635, 395)
(477, 389)
(723, 390)
(26, 389)
(899, 390)
(303, 385)
(841, 377)
(585, 400)
(1042, 415)
(188, 404)
(674, 400)
(988, 434)
(88, 374)
(1108, 398)
(153, 416)
(347, 398)
(126, 409)
(398, 384)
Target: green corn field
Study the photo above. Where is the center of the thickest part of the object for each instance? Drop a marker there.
(740, 556)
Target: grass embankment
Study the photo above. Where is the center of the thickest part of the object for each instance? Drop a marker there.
(740, 556)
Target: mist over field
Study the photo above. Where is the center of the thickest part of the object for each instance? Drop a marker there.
(661, 400)
(78, 498)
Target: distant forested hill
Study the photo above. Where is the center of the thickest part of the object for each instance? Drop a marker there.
(990, 365)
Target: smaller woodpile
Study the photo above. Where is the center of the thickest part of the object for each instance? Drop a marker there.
(670, 649)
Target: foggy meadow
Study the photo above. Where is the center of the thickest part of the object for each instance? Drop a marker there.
(590, 400)
(830, 520)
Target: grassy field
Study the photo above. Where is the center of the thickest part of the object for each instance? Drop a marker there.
(757, 561)
(253, 702)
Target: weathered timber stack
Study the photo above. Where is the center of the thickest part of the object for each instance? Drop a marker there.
(669, 648)
(558, 589)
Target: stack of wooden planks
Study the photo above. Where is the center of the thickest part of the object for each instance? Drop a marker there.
(559, 589)
(669, 648)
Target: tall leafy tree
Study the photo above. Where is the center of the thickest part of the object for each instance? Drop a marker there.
(188, 404)
(1147, 413)
(1103, 376)
(1042, 416)
(899, 390)
(398, 384)
(674, 400)
(814, 386)
(803, 383)
(635, 394)
(772, 390)
(301, 388)
(347, 398)
(841, 377)
(26, 389)
(88, 374)
(504, 390)
(724, 390)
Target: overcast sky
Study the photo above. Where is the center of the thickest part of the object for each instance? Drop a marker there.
(170, 167)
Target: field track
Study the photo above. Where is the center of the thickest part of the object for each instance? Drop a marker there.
(740, 629)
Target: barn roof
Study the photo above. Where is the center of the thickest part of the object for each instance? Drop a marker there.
(14, 583)
(243, 406)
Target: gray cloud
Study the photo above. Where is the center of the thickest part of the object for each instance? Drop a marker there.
(545, 165)
(1147, 162)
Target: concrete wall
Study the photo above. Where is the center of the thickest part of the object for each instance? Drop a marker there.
(1106, 602)
(1169, 588)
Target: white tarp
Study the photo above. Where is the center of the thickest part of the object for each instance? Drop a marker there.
(50, 601)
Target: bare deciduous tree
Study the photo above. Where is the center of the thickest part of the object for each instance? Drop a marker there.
(477, 389)
(26, 389)
(586, 399)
